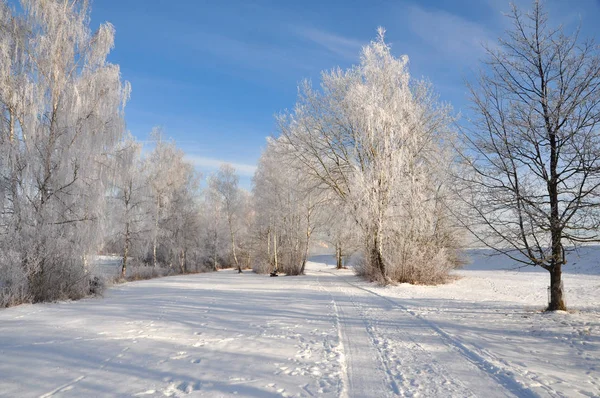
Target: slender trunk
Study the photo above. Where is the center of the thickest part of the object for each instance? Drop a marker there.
(305, 251)
(215, 249)
(182, 261)
(125, 251)
(269, 247)
(275, 251)
(338, 256)
(235, 259)
(154, 242)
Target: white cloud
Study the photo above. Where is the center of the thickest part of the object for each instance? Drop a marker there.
(213, 164)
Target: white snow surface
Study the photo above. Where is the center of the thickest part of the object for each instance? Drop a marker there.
(327, 334)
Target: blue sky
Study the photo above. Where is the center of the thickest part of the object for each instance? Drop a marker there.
(214, 73)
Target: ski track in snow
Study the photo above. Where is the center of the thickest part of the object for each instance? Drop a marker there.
(328, 334)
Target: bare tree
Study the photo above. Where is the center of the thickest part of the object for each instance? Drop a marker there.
(534, 152)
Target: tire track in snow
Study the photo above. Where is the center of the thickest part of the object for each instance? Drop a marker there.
(411, 365)
(500, 375)
(366, 371)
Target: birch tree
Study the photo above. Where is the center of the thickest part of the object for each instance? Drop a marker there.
(130, 199)
(288, 209)
(214, 228)
(63, 107)
(534, 148)
(225, 183)
(168, 175)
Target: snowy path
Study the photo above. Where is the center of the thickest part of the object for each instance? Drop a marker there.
(327, 334)
(393, 352)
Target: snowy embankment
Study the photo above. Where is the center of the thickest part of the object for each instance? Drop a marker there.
(327, 334)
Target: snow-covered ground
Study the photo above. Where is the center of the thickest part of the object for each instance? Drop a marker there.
(326, 334)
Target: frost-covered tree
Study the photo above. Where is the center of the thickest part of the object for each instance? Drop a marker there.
(129, 194)
(534, 147)
(214, 229)
(62, 114)
(225, 186)
(172, 182)
(340, 232)
(182, 221)
(287, 211)
(373, 136)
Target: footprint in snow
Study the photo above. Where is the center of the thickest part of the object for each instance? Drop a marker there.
(180, 355)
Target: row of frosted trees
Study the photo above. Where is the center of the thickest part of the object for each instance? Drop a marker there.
(362, 165)
(355, 168)
(73, 185)
(365, 164)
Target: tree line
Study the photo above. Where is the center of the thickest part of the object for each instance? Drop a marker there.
(368, 163)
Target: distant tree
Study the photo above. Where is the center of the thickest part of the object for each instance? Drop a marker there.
(130, 198)
(534, 149)
(214, 227)
(225, 183)
(170, 179)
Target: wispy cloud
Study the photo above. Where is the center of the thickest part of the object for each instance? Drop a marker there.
(338, 45)
(458, 39)
(212, 164)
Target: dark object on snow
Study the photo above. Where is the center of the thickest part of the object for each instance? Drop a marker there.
(274, 273)
(97, 286)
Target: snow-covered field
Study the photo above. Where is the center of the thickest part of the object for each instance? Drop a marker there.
(326, 334)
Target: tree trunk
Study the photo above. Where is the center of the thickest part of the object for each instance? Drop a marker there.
(215, 242)
(154, 261)
(338, 256)
(125, 251)
(11, 123)
(377, 259)
(269, 247)
(557, 302)
(235, 259)
(182, 261)
(305, 259)
(275, 252)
